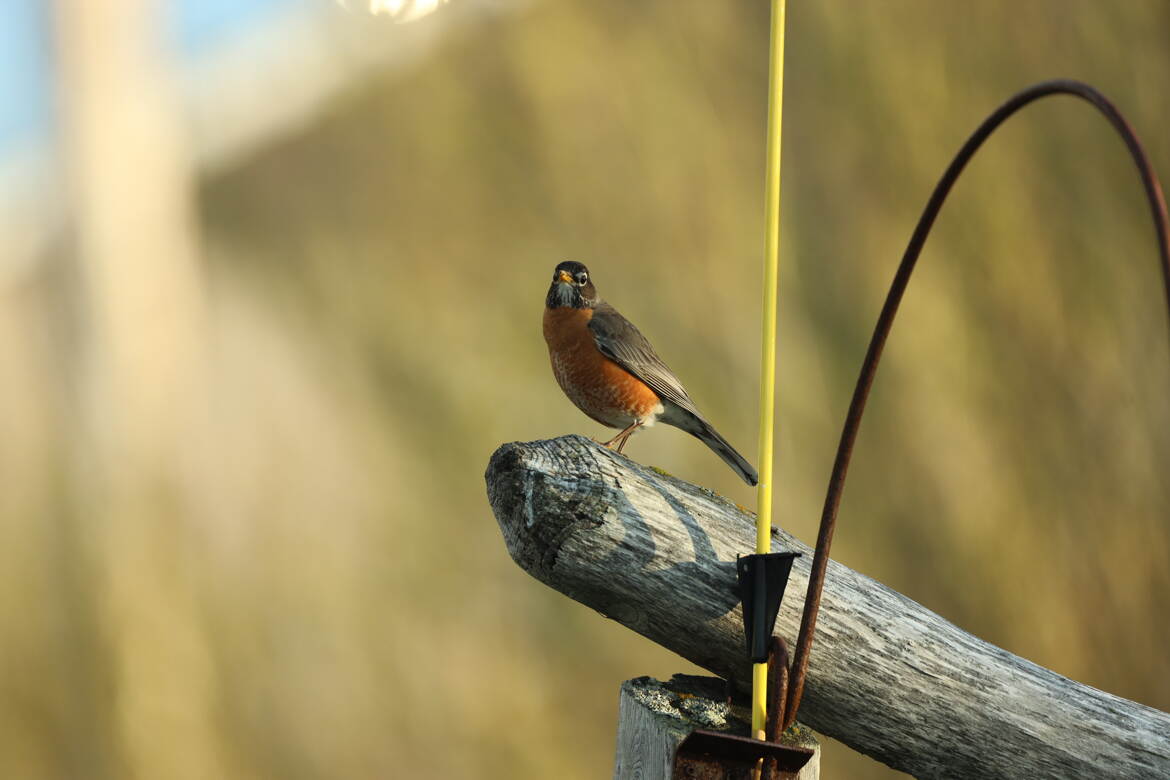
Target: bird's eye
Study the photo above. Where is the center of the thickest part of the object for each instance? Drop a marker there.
(582, 278)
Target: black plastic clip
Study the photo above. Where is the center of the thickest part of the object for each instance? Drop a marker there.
(762, 579)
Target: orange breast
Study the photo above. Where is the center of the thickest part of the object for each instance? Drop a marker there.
(598, 386)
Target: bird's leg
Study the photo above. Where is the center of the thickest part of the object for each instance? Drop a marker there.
(630, 432)
(622, 437)
(625, 435)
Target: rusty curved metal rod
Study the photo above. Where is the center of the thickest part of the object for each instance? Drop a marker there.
(893, 299)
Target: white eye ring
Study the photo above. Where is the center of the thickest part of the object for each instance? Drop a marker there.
(582, 279)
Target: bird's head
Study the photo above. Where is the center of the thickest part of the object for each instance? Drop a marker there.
(571, 287)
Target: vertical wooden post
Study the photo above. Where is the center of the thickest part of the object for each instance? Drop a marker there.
(654, 717)
(140, 390)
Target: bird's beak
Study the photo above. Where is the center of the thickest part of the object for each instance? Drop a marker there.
(564, 277)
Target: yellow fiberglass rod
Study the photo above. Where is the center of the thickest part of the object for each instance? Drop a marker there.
(768, 355)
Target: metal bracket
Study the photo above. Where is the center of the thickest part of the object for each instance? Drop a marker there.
(714, 755)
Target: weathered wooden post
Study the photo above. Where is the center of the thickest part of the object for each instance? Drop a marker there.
(654, 717)
(890, 678)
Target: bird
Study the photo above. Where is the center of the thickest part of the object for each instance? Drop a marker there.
(609, 370)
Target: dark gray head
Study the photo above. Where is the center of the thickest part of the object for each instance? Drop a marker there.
(571, 287)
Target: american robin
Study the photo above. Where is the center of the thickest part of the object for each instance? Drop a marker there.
(610, 371)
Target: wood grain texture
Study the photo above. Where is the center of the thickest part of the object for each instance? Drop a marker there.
(887, 677)
(653, 718)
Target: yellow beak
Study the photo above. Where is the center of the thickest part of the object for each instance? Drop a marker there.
(566, 277)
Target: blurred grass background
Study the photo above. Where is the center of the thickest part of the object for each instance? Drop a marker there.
(333, 598)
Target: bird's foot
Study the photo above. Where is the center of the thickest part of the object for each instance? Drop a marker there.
(623, 437)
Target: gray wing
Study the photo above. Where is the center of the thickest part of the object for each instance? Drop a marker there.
(621, 342)
(624, 344)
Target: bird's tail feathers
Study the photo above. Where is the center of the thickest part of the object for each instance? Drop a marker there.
(730, 456)
(704, 432)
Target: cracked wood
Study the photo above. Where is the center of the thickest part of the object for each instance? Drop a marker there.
(887, 677)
